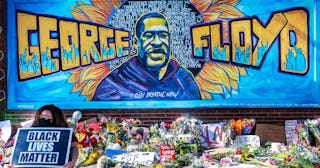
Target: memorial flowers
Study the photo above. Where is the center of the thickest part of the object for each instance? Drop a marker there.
(178, 144)
(91, 143)
(314, 126)
(243, 126)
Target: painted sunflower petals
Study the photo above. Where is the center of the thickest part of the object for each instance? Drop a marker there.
(94, 72)
(94, 14)
(215, 74)
(231, 70)
(209, 17)
(79, 16)
(201, 5)
(104, 6)
(228, 2)
(228, 11)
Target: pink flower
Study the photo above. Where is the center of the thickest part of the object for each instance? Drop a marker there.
(271, 162)
(206, 157)
(167, 125)
(137, 122)
(226, 161)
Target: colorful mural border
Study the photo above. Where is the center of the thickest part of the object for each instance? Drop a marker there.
(254, 83)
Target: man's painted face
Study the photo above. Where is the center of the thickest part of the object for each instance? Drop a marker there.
(154, 43)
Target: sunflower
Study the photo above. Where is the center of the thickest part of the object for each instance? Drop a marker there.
(213, 78)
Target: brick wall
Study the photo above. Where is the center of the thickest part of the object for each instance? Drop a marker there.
(150, 116)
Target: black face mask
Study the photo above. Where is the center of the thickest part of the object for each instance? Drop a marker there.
(45, 122)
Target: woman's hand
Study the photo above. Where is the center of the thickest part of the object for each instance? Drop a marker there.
(74, 155)
(69, 165)
(8, 166)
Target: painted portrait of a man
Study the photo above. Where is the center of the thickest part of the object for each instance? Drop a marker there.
(152, 73)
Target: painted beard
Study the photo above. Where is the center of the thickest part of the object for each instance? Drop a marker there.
(155, 59)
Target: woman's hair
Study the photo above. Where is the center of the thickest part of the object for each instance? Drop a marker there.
(57, 116)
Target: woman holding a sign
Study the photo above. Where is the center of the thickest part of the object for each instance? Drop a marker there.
(52, 116)
(49, 143)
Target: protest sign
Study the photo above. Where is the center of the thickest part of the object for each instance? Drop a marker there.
(167, 153)
(42, 147)
(212, 135)
(135, 158)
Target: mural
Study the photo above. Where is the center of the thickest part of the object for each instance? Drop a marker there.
(110, 54)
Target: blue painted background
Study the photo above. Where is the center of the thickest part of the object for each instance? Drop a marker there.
(264, 87)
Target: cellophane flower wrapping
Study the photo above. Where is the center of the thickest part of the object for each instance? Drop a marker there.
(243, 126)
(314, 127)
(91, 142)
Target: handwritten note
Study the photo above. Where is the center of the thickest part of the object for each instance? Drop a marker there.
(244, 140)
(291, 132)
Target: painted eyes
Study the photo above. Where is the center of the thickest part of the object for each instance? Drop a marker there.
(161, 34)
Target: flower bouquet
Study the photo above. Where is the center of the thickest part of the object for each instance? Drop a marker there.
(91, 143)
(243, 126)
(186, 132)
(313, 126)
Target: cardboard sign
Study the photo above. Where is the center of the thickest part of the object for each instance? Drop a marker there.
(243, 140)
(167, 153)
(136, 158)
(212, 135)
(42, 147)
(291, 133)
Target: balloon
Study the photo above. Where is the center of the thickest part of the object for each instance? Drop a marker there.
(77, 115)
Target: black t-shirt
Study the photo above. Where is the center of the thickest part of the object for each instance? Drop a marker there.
(74, 138)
